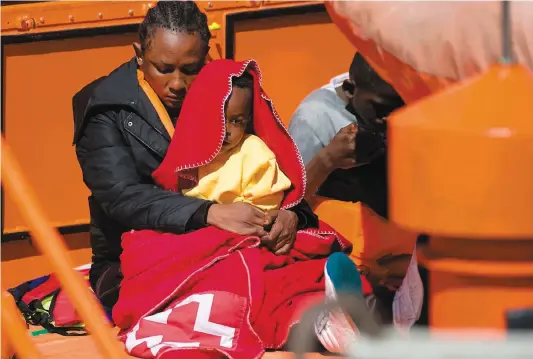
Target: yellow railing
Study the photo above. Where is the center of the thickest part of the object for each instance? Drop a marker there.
(50, 244)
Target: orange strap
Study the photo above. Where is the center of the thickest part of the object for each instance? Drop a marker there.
(158, 105)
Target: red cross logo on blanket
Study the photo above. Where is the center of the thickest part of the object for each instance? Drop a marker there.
(189, 323)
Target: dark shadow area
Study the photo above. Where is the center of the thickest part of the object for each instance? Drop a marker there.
(423, 321)
(18, 2)
(422, 242)
(66, 41)
(22, 249)
(272, 18)
(284, 21)
(65, 230)
(519, 319)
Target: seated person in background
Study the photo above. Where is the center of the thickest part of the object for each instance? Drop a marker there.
(325, 127)
(340, 130)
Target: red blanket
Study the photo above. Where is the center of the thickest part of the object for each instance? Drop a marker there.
(223, 296)
(213, 292)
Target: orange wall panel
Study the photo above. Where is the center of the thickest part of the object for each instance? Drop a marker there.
(40, 80)
(296, 53)
(21, 261)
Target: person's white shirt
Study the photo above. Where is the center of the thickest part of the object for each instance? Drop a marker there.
(336, 82)
(319, 117)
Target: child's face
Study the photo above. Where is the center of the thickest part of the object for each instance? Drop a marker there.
(238, 114)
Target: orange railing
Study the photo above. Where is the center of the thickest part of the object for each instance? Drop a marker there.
(14, 330)
(49, 243)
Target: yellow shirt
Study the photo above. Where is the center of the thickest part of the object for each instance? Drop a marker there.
(246, 173)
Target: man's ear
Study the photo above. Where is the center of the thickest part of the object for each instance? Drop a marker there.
(348, 87)
(138, 52)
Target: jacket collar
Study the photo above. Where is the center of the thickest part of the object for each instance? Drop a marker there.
(119, 89)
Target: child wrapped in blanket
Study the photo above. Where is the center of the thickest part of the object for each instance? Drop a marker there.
(227, 154)
(245, 169)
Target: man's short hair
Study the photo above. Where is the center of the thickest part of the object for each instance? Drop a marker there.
(367, 79)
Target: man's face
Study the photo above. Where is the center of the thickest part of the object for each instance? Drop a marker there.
(371, 109)
(170, 64)
(371, 106)
(238, 115)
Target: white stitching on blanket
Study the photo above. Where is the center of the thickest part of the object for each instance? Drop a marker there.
(276, 116)
(298, 154)
(250, 306)
(319, 234)
(223, 119)
(166, 300)
(262, 351)
(314, 233)
(288, 332)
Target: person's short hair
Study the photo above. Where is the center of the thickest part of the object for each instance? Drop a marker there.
(177, 16)
(245, 81)
(366, 78)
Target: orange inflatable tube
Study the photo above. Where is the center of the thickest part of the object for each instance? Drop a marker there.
(422, 47)
(460, 152)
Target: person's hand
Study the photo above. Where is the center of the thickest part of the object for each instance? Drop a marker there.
(240, 218)
(281, 238)
(340, 152)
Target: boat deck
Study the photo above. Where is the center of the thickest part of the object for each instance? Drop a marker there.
(55, 346)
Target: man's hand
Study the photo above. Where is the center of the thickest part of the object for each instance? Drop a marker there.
(240, 218)
(340, 152)
(281, 238)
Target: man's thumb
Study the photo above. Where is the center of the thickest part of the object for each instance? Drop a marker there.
(349, 129)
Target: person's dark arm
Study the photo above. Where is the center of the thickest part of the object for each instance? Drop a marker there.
(110, 173)
(306, 217)
(338, 154)
(314, 153)
(318, 170)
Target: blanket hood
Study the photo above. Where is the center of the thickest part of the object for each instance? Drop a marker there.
(200, 129)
